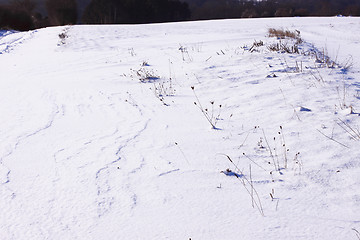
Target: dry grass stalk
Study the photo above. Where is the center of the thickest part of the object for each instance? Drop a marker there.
(252, 191)
(271, 154)
(356, 232)
(332, 139)
(284, 48)
(209, 115)
(354, 133)
(282, 34)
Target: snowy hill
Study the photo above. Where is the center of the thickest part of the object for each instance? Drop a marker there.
(181, 130)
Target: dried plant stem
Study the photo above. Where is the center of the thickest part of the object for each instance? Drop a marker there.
(357, 233)
(355, 134)
(251, 191)
(276, 154)
(332, 139)
(271, 154)
(210, 118)
(254, 162)
(182, 152)
(244, 140)
(202, 110)
(284, 146)
(252, 187)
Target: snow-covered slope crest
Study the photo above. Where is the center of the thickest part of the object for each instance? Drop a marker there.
(182, 130)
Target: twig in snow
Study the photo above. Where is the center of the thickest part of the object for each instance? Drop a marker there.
(245, 182)
(332, 139)
(357, 233)
(354, 133)
(267, 143)
(254, 162)
(284, 146)
(182, 152)
(252, 187)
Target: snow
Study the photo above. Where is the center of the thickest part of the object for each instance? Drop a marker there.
(88, 151)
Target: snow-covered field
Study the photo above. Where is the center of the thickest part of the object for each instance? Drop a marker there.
(105, 131)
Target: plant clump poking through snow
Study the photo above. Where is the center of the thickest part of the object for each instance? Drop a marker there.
(185, 54)
(162, 89)
(283, 34)
(63, 36)
(285, 47)
(290, 42)
(255, 45)
(144, 74)
(209, 114)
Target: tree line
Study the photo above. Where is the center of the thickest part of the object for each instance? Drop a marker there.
(218, 9)
(21, 15)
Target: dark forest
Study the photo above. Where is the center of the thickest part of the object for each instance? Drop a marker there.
(21, 14)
